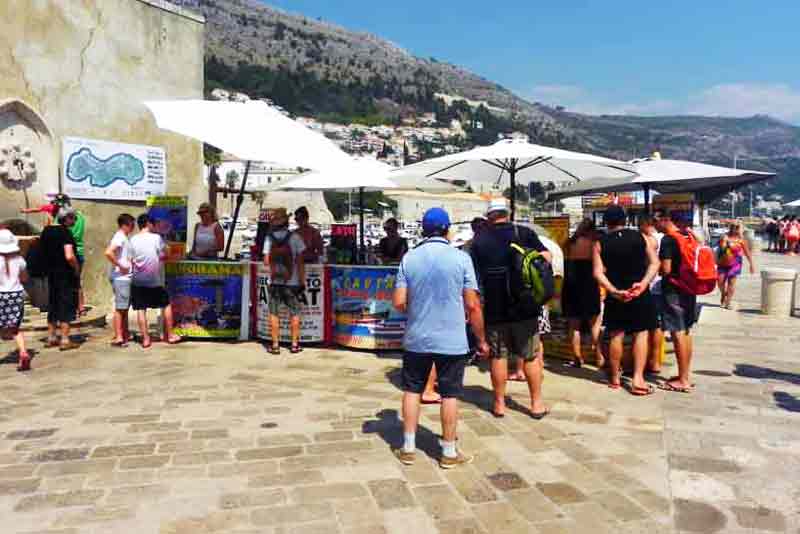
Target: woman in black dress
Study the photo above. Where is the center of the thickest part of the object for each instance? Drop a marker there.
(580, 296)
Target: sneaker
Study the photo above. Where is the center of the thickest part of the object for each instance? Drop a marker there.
(406, 458)
(447, 462)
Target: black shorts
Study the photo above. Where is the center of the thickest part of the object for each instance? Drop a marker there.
(678, 310)
(143, 298)
(62, 301)
(638, 315)
(449, 372)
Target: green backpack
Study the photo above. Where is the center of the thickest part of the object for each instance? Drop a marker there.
(531, 281)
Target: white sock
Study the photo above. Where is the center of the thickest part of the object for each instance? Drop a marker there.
(409, 441)
(449, 448)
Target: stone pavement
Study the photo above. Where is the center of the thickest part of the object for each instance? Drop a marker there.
(214, 437)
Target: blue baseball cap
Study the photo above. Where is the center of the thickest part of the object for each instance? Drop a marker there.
(435, 219)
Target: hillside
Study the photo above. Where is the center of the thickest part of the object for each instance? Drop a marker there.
(320, 69)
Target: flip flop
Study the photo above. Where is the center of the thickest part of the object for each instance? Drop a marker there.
(517, 379)
(147, 346)
(119, 344)
(275, 349)
(175, 340)
(539, 416)
(667, 386)
(24, 363)
(432, 401)
(614, 386)
(296, 349)
(575, 364)
(674, 378)
(642, 392)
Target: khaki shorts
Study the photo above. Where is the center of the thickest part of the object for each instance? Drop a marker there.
(514, 340)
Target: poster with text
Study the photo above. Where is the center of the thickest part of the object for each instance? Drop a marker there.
(171, 216)
(206, 298)
(105, 170)
(312, 306)
(363, 314)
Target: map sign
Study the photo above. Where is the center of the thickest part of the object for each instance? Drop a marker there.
(113, 171)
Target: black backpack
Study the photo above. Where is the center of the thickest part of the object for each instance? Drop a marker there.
(36, 262)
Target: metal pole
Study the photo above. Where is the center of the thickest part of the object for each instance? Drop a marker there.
(512, 173)
(350, 206)
(239, 200)
(647, 199)
(362, 250)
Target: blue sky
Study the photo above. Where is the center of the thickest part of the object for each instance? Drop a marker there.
(714, 57)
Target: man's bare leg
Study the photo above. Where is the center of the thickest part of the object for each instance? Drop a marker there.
(596, 324)
(574, 335)
(615, 348)
(640, 347)
(656, 339)
(449, 413)
(683, 354)
(294, 328)
(275, 330)
(429, 395)
(141, 319)
(169, 324)
(499, 372)
(534, 371)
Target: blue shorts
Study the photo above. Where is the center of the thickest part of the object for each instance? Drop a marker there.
(449, 372)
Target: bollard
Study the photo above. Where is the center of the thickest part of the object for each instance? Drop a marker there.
(777, 291)
(752, 240)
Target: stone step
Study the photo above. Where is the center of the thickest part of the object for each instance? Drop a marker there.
(35, 320)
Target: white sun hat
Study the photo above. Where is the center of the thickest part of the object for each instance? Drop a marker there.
(8, 242)
(497, 204)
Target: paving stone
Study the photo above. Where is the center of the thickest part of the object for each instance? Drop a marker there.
(137, 494)
(278, 440)
(283, 515)
(160, 437)
(211, 433)
(589, 515)
(180, 473)
(268, 453)
(30, 434)
(251, 499)
(303, 463)
(96, 514)
(66, 483)
(361, 511)
(483, 427)
(17, 471)
(507, 481)
(154, 427)
(695, 516)
(323, 527)
(135, 418)
(136, 449)
(703, 465)
(533, 506)
(760, 518)
(59, 455)
(76, 468)
(298, 478)
(339, 447)
(207, 457)
(336, 435)
(23, 485)
(223, 521)
(422, 473)
(35, 444)
(560, 492)
(391, 493)
(366, 529)
(173, 447)
(327, 492)
(500, 517)
(10, 458)
(240, 469)
(440, 501)
(620, 506)
(652, 501)
(473, 488)
(464, 525)
(58, 500)
(120, 478)
(144, 462)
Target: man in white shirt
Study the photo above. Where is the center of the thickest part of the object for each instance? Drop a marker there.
(148, 253)
(118, 254)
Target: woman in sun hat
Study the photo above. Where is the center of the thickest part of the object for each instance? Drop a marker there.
(12, 301)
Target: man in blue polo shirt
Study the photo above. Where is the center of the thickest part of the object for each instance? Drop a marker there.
(436, 287)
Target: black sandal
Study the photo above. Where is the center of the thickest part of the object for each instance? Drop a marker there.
(275, 349)
(296, 349)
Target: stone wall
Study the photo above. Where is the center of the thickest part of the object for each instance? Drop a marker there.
(82, 68)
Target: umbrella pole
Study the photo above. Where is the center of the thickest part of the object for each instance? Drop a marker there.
(647, 199)
(239, 200)
(361, 249)
(512, 174)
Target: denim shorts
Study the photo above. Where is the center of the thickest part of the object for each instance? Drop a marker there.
(678, 310)
(122, 293)
(286, 295)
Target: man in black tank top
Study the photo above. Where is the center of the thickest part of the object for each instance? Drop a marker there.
(624, 265)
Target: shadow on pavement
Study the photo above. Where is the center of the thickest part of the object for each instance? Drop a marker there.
(787, 401)
(755, 371)
(389, 428)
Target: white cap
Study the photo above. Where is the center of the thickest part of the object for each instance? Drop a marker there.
(497, 204)
(8, 242)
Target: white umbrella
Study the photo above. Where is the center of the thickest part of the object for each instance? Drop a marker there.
(792, 204)
(252, 131)
(518, 162)
(671, 176)
(363, 174)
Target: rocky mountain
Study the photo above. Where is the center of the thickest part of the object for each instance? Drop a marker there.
(314, 67)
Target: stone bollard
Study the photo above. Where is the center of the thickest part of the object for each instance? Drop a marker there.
(777, 291)
(753, 243)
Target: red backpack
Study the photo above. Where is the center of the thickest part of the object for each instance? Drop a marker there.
(698, 270)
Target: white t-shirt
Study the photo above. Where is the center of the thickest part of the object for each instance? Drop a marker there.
(297, 246)
(655, 285)
(122, 254)
(147, 249)
(9, 283)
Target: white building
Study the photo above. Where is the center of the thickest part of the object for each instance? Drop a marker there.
(461, 207)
